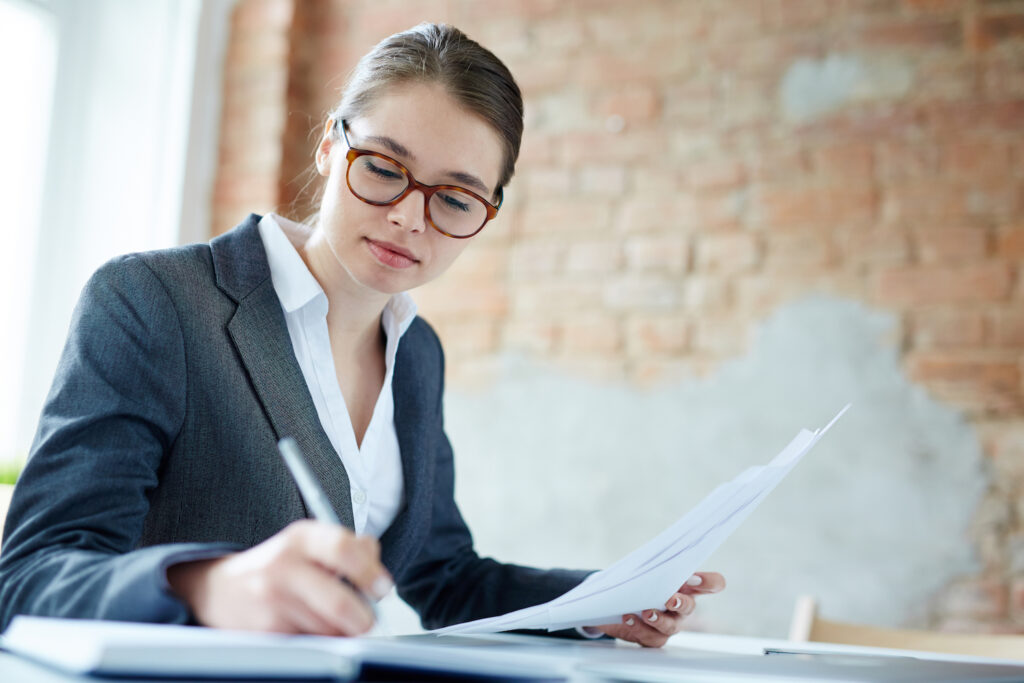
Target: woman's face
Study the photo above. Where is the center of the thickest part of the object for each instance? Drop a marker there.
(390, 249)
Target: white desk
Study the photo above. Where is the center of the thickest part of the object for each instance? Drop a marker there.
(592, 661)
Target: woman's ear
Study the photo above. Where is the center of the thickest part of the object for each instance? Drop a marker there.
(323, 150)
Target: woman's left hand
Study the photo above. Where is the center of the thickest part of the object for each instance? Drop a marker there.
(651, 628)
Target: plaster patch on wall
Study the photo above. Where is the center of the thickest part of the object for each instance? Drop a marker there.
(814, 87)
(554, 470)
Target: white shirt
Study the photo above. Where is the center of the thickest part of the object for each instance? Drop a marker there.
(374, 469)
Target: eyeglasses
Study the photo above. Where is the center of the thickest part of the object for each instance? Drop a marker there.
(378, 179)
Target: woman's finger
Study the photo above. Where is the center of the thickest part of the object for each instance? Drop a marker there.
(681, 604)
(665, 623)
(330, 600)
(703, 582)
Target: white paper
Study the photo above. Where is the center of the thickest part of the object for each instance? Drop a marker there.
(648, 576)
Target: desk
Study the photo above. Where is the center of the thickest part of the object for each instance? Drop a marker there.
(593, 662)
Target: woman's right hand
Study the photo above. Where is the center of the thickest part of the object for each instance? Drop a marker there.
(289, 583)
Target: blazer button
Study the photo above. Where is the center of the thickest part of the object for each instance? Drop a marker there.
(358, 497)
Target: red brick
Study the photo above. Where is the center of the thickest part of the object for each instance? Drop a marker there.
(443, 299)
(946, 329)
(717, 209)
(726, 253)
(802, 250)
(902, 159)
(533, 298)
(982, 383)
(951, 245)
(920, 200)
(553, 218)
(721, 336)
(657, 335)
(974, 283)
(531, 336)
(602, 180)
(973, 158)
(873, 247)
(630, 145)
(261, 15)
(800, 205)
(1010, 242)
(480, 263)
(915, 34)
(779, 164)
(992, 30)
(634, 103)
(472, 337)
(706, 293)
(546, 182)
(793, 14)
(558, 34)
(636, 293)
(657, 214)
(691, 103)
(1002, 79)
(934, 6)
(593, 257)
(844, 161)
(1007, 327)
(661, 253)
(716, 174)
(663, 60)
(589, 335)
(535, 76)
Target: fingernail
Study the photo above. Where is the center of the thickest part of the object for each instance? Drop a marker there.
(381, 587)
(677, 603)
(653, 617)
(694, 581)
(630, 621)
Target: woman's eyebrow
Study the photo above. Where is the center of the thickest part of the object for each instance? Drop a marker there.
(401, 150)
(393, 145)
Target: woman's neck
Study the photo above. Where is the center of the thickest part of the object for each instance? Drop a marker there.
(353, 312)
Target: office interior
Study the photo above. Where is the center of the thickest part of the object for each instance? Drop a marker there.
(729, 219)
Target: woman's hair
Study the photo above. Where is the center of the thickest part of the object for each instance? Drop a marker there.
(438, 53)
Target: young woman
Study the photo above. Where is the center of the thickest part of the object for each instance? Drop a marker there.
(155, 491)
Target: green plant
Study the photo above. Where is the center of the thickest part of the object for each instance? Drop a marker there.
(9, 472)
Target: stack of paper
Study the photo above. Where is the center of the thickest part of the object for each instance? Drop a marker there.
(648, 576)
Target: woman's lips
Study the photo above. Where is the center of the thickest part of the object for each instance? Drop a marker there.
(391, 254)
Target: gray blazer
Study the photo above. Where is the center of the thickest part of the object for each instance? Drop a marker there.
(157, 445)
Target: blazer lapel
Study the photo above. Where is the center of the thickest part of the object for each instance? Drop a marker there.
(412, 388)
(260, 335)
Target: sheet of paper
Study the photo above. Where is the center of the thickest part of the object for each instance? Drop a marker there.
(648, 576)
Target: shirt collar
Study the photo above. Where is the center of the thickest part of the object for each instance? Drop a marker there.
(296, 286)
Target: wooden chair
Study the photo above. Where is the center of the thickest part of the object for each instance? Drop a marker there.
(807, 626)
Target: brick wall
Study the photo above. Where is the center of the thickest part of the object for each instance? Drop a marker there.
(687, 167)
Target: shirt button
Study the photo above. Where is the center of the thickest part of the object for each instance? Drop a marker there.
(358, 497)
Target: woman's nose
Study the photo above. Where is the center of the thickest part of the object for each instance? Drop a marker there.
(409, 213)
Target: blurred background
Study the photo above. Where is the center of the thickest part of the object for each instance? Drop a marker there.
(729, 219)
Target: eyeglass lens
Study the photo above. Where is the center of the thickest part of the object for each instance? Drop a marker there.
(378, 180)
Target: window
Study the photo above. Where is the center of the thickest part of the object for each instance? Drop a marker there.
(27, 39)
(114, 141)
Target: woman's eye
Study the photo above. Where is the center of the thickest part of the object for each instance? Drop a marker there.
(380, 172)
(453, 203)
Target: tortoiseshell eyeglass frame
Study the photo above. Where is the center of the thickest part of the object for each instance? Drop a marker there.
(427, 190)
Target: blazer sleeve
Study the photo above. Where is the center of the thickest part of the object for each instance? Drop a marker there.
(448, 583)
(118, 400)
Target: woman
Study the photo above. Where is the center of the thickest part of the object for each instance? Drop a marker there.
(155, 492)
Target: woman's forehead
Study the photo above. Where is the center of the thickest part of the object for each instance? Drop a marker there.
(423, 125)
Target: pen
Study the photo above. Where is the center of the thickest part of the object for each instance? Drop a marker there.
(316, 500)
